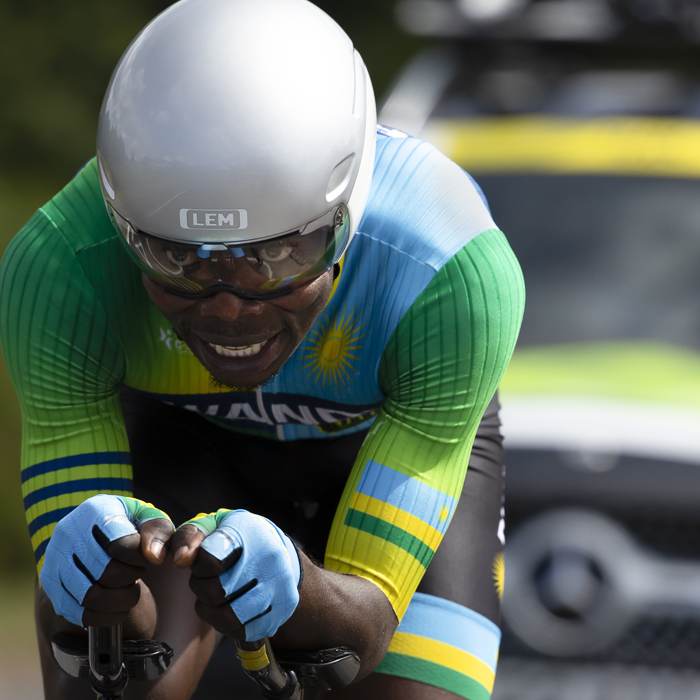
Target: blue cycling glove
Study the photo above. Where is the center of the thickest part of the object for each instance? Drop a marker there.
(262, 585)
(75, 559)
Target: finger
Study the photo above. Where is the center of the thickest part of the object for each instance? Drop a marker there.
(208, 590)
(155, 539)
(221, 618)
(118, 574)
(211, 591)
(206, 564)
(112, 600)
(126, 549)
(185, 543)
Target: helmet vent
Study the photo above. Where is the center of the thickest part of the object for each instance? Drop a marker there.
(340, 177)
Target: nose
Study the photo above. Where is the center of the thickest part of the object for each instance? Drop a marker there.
(229, 307)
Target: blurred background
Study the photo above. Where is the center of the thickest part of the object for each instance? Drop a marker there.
(580, 119)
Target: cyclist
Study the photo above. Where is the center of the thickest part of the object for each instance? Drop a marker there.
(255, 299)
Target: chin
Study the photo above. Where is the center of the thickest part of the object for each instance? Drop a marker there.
(239, 387)
(218, 384)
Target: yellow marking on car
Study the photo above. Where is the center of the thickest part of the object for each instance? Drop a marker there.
(636, 370)
(639, 146)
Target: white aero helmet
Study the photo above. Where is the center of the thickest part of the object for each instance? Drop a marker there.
(236, 144)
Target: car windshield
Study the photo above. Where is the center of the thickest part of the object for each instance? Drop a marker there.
(604, 257)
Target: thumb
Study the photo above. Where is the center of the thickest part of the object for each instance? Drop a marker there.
(155, 539)
(185, 544)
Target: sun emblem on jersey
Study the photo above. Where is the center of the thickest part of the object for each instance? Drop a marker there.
(330, 350)
(499, 571)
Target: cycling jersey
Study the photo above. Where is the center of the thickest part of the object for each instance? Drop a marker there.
(419, 329)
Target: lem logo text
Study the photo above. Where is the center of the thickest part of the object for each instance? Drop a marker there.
(217, 219)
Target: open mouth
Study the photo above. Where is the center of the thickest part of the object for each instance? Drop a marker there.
(240, 351)
(236, 364)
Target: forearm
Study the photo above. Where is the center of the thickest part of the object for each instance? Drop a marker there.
(339, 610)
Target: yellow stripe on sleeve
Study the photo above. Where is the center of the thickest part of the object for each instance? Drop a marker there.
(400, 518)
(61, 476)
(62, 501)
(444, 655)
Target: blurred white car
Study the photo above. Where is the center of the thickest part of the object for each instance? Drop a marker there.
(588, 152)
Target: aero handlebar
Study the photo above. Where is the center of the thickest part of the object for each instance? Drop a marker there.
(109, 663)
(287, 674)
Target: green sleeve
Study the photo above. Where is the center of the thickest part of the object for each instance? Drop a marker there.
(439, 370)
(65, 364)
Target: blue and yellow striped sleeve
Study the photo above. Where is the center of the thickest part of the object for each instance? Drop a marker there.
(52, 489)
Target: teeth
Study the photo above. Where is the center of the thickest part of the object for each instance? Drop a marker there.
(241, 351)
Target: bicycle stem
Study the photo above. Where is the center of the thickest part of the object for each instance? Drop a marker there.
(259, 662)
(108, 674)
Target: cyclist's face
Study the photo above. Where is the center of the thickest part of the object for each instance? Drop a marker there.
(242, 343)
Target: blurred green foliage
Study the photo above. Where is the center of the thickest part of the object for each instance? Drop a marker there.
(56, 59)
(55, 62)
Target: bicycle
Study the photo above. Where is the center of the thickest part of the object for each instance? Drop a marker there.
(109, 662)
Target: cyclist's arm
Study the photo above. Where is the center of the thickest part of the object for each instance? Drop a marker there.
(65, 365)
(440, 368)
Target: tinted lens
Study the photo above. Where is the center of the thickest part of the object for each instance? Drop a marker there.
(264, 269)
